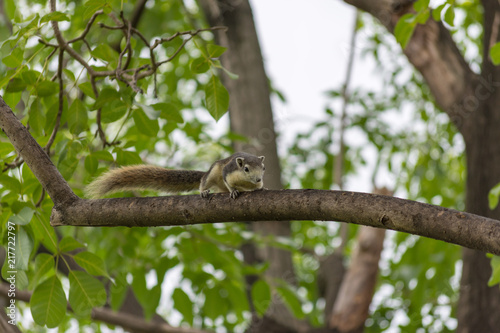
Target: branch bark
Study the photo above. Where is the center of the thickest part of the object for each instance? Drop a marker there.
(469, 230)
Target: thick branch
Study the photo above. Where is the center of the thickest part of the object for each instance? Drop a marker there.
(378, 211)
(36, 158)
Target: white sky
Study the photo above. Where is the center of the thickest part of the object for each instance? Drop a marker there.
(306, 47)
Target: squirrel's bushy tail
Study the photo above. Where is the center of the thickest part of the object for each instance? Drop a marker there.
(144, 177)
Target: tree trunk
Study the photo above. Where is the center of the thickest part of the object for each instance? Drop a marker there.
(251, 116)
(471, 101)
(479, 305)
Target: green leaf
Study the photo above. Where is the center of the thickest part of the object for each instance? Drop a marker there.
(145, 125)
(495, 274)
(11, 183)
(37, 118)
(150, 111)
(183, 304)
(24, 247)
(86, 88)
(261, 296)
(30, 77)
(495, 54)
(125, 157)
(10, 8)
(15, 85)
(449, 16)
(493, 196)
(91, 263)
(77, 117)
(111, 105)
(91, 164)
(214, 305)
(103, 155)
(92, 6)
(118, 291)
(15, 58)
(217, 98)
(46, 88)
(85, 293)
(436, 13)
(54, 16)
(68, 244)
(422, 17)
(149, 299)
(69, 74)
(12, 98)
(200, 65)
(23, 217)
(67, 166)
(169, 112)
(44, 263)
(215, 51)
(404, 29)
(421, 5)
(48, 303)
(292, 300)
(104, 52)
(116, 110)
(44, 232)
(106, 96)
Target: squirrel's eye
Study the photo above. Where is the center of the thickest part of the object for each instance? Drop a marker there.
(246, 169)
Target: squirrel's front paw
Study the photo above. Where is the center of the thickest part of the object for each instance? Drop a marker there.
(204, 194)
(234, 194)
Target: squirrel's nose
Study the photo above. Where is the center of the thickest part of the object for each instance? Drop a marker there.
(258, 180)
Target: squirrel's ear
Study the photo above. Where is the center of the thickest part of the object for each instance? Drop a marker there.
(262, 158)
(240, 161)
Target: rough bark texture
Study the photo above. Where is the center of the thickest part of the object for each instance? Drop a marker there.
(251, 116)
(374, 210)
(356, 291)
(471, 101)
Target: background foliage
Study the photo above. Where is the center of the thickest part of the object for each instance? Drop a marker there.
(195, 275)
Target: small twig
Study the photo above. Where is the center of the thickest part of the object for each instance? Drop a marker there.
(87, 28)
(41, 41)
(61, 102)
(18, 161)
(100, 131)
(182, 33)
(176, 52)
(42, 196)
(128, 36)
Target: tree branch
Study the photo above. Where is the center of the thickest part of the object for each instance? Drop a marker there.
(374, 210)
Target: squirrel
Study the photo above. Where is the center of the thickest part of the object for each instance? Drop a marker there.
(237, 173)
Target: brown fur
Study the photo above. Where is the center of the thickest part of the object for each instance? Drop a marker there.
(239, 172)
